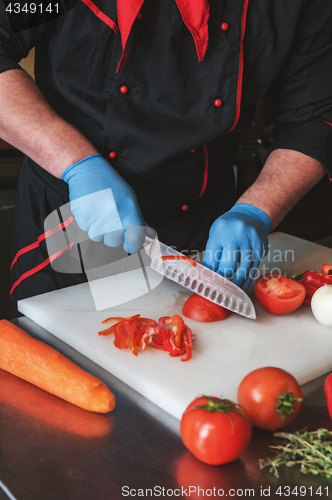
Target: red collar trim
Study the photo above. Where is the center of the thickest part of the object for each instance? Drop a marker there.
(195, 15)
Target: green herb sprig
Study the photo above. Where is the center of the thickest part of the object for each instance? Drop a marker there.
(312, 451)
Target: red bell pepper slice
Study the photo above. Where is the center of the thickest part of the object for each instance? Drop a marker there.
(109, 320)
(110, 330)
(125, 334)
(135, 333)
(178, 257)
(177, 329)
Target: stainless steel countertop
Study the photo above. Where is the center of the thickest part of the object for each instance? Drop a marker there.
(40, 460)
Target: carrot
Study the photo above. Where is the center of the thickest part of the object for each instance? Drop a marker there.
(50, 411)
(43, 366)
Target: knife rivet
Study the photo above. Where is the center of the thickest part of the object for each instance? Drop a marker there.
(184, 207)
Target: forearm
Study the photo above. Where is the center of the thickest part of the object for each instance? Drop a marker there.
(28, 123)
(285, 178)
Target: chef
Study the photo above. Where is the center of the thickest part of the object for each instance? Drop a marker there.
(146, 100)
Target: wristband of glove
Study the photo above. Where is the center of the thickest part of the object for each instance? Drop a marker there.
(257, 213)
(66, 174)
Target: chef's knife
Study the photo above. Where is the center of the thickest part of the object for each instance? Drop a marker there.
(197, 278)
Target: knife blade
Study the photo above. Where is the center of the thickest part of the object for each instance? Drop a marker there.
(198, 278)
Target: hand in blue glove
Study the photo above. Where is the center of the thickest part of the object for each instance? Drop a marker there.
(237, 243)
(104, 204)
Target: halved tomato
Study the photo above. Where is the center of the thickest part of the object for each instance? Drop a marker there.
(278, 294)
(200, 309)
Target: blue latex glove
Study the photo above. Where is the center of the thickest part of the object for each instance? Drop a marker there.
(111, 211)
(237, 243)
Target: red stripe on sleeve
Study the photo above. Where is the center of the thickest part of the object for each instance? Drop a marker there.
(35, 270)
(41, 238)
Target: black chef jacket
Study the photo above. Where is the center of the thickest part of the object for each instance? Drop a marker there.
(163, 90)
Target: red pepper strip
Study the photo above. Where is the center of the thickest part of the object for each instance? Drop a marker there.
(147, 332)
(188, 342)
(178, 257)
(135, 332)
(159, 335)
(166, 334)
(169, 338)
(109, 320)
(125, 333)
(162, 339)
(136, 337)
(147, 336)
(111, 329)
(169, 343)
(177, 329)
(108, 331)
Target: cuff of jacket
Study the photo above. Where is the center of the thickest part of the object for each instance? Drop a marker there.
(312, 138)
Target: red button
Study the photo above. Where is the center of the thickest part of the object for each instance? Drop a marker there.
(184, 207)
(218, 103)
(224, 26)
(123, 89)
(193, 150)
(112, 154)
(139, 15)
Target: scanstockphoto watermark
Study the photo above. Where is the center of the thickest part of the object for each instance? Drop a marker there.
(190, 491)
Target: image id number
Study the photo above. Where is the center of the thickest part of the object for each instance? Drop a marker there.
(32, 8)
(302, 491)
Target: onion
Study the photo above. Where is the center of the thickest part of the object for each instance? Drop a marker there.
(321, 305)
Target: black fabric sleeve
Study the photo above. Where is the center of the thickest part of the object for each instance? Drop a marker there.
(303, 90)
(13, 46)
(21, 27)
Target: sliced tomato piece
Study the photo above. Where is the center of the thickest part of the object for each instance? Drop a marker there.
(200, 309)
(278, 294)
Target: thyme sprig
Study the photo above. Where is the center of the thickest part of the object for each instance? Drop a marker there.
(312, 451)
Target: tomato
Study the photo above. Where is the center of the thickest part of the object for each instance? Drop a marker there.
(271, 397)
(216, 431)
(278, 294)
(201, 309)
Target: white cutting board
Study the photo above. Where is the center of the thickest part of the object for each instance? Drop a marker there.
(224, 352)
